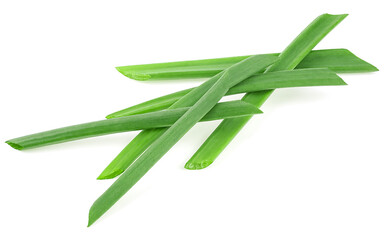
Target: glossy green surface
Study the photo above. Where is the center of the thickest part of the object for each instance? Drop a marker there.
(280, 79)
(151, 120)
(258, 82)
(151, 105)
(203, 102)
(337, 60)
(295, 52)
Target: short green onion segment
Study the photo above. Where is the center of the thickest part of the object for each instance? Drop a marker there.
(272, 80)
(203, 101)
(337, 60)
(295, 52)
(159, 119)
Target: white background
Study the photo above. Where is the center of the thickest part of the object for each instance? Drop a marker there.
(312, 167)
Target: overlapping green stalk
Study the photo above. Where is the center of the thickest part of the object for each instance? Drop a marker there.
(288, 60)
(214, 89)
(159, 119)
(167, 119)
(295, 52)
(280, 79)
(227, 130)
(337, 60)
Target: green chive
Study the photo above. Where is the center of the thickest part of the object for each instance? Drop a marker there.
(152, 105)
(258, 82)
(289, 59)
(224, 80)
(151, 120)
(337, 60)
(280, 79)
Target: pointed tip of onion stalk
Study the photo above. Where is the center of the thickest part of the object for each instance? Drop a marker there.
(375, 69)
(116, 115)
(110, 116)
(341, 82)
(197, 166)
(90, 221)
(372, 68)
(107, 174)
(133, 75)
(14, 145)
(93, 215)
(89, 224)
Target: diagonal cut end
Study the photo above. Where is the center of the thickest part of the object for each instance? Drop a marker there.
(109, 175)
(135, 76)
(14, 145)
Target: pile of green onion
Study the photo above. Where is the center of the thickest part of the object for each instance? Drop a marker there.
(165, 120)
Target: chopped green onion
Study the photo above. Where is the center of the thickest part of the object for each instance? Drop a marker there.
(289, 59)
(204, 101)
(151, 120)
(337, 60)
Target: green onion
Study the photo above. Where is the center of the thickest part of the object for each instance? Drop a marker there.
(165, 120)
(337, 60)
(226, 79)
(152, 105)
(280, 79)
(151, 120)
(289, 59)
(258, 82)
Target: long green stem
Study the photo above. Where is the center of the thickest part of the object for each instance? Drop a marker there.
(204, 101)
(151, 120)
(289, 59)
(337, 60)
(304, 77)
(319, 28)
(280, 79)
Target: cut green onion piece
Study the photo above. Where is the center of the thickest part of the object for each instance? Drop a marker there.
(258, 82)
(155, 104)
(151, 120)
(337, 60)
(289, 59)
(280, 79)
(208, 99)
(138, 144)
